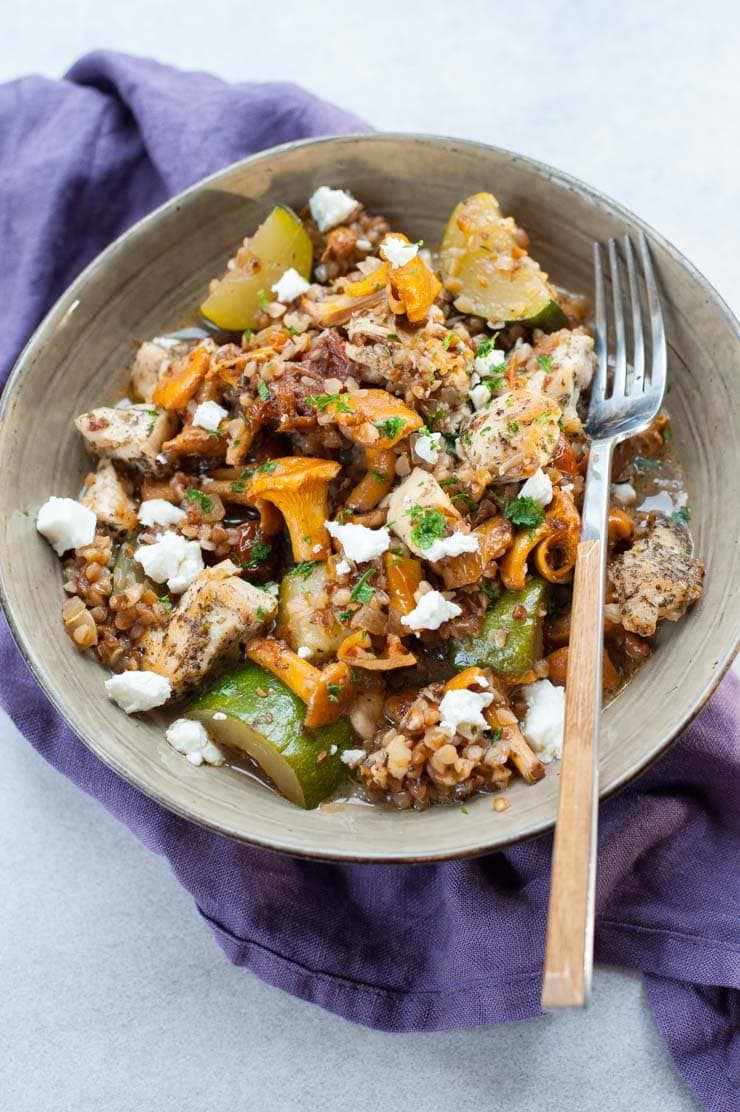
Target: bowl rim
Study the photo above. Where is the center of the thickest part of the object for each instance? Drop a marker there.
(66, 301)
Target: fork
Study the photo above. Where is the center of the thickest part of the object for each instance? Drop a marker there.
(617, 410)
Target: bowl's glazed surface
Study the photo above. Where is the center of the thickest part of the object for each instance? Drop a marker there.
(151, 278)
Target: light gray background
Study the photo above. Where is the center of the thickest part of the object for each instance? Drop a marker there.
(113, 995)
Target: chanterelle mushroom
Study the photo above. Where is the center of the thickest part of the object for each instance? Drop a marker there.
(299, 488)
(326, 692)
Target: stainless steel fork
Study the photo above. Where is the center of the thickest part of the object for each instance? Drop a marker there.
(621, 405)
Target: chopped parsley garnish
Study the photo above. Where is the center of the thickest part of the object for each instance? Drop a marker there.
(267, 466)
(448, 340)
(682, 516)
(206, 503)
(496, 734)
(263, 299)
(258, 553)
(261, 613)
(293, 331)
(247, 335)
(391, 427)
(545, 362)
(490, 592)
(163, 600)
(465, 499)
(642, 463)
(303, 569)
(484, 348)
(344, 515)
(666, 434)
(513, 427)
(355, 675)
(524, 511)
(379, 476)
(495, 381)
(393, 336)
(362, 592)
(321, 401)
(345, 615)
(334, 690)
(464, 811)
(429, 526)
(543, 418)
(264, 391)
(238, 486)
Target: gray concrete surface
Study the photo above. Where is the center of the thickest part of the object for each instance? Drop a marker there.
(113, 995)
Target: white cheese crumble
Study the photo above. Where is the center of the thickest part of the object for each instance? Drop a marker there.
(66, 524)
(342, 568)
(360, 543)
(624, 493)
(480, 395)
(209, 415)
(157, 511)
(428, 445)
(191, 739)
(352, 757)
(545, 719)
(430, 612)
(538, 487)
(330, 207)
(290, 285)
(219, 716)
(398, 252)
(454, 545)
(171, 559)
(484, 364)
(138, 691)
(463, 708)
(304, 652)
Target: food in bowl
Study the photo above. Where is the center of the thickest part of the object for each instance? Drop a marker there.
(333, 528)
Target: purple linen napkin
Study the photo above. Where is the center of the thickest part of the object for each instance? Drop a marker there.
(403, 949)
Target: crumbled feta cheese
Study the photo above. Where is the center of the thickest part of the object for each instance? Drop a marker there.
(484, 364)
(304, 652)
(317, 548)
(624, 493)
(333, 750)
(191, 739)
(137, 691)
(352, 757)
(428, 445)
(330, 207)
(342, 568)
(398, 252)
(219, 716)
(454, 545)
(360, 543)
(463, 708)
(209, 415)
(171, 559)
(538, 487)
(430, 612)
(290, 286)
(364, 244)
(545, 718)
(66, 524)
(480, 395)
(156, 511)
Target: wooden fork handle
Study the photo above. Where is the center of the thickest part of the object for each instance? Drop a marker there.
(569, 948)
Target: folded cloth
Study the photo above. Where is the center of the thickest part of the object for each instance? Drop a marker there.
(403, 949)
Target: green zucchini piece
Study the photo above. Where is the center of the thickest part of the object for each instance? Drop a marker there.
(269, 728)
(523, 645)
(298, 620)
(483, 266)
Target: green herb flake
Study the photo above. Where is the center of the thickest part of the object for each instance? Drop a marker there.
(464, 811)
(682, 516)
(345, 615)
(642, 463)
(237, 486)
(258, 553)
(379, 476)
(334, 690)
(484, 349)
(293, 331)
(391, 427)
(429, 526)
(303, 569)
(545, 362)
(496, 733)
(513, 427)
(263, 299)
(268, 466)
(321, 401)
(247, 335)
(393, 336)
(355, 675)
(525, 512)
(490, 592)
(667, 435)
(362, 592)
(448, 340)
(206, 503)
(263, 390)
(165, 601)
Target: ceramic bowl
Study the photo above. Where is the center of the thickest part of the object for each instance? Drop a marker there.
(149, 280)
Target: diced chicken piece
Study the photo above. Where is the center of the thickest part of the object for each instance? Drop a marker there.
(151, 360)
(218, 613)
(131, 434)
(514, 436)
(106, 495)
(561, 366)
(419, 492)
(656, 578)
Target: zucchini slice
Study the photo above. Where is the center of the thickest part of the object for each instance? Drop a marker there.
(299, 622)
(523, 644)
(251, 710)
(492, 277)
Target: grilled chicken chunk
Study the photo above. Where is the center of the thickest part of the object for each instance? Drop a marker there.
(132, 434)
(560, 367)
(151, 359)
(657, 578)
(108, 499)
(420, 491)
(216, 615)
(513, 436)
